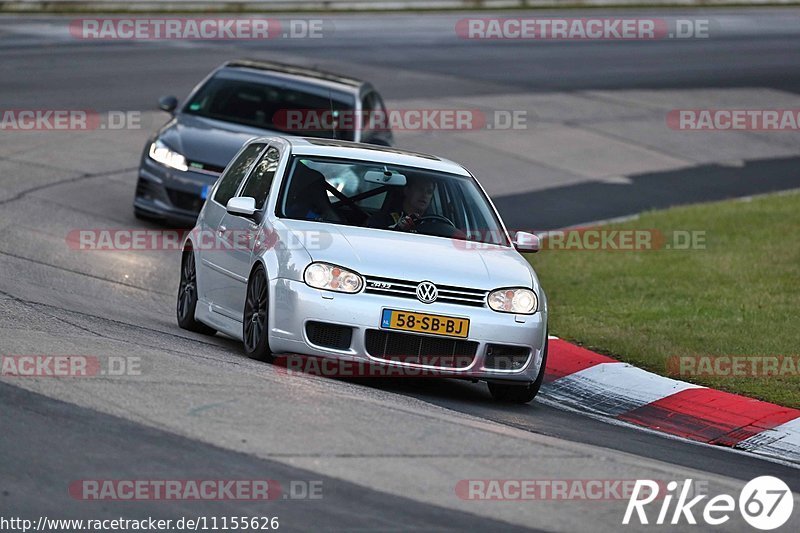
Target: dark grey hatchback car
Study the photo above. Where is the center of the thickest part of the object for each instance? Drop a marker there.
(240, 100)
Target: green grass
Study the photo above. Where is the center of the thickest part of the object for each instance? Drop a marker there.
(738, 296)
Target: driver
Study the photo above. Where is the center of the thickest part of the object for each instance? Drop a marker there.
(417, 195)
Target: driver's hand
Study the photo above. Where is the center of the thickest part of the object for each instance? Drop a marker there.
(407, 223)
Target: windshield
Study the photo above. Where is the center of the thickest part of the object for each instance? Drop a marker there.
(264, 104)
(419, 200)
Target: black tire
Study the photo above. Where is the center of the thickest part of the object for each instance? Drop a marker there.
(187, 297)
(502, 392)
(255, 322)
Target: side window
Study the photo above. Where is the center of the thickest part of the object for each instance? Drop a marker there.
(260, 180)
(368, 103)
(371, 119)
(236, 173)
(379, 105)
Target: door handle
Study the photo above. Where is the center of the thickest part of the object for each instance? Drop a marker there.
(222, 230)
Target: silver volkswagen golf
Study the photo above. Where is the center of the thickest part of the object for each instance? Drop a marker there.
(366, 254)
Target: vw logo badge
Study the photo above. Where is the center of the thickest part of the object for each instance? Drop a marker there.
(427, 292)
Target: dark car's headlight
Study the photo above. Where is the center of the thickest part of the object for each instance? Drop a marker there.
(332, 278)
(160, 153)
(514, 300)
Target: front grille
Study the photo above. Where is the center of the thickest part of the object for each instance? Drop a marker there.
(329, 335)
(408, 289)
(502, 357)
(185, 200)
(420, 349)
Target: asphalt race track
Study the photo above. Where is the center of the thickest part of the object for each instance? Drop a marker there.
(389, 453)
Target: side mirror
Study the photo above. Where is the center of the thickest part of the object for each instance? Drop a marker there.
(526, 243)
(243, 206)
(168, 104)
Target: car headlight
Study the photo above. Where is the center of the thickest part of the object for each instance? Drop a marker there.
(519, 301)
(332, 278)
(159, 152)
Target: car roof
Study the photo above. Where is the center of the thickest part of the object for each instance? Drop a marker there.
(370, 152)
(297, 72)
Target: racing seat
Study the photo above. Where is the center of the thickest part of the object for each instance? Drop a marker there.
(307, 197)
(393, 201)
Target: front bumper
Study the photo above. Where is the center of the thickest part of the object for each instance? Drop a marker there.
(293, 304)
(170, 195)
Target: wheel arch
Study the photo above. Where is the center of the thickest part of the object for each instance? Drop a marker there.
(189, 247)
(259, 262)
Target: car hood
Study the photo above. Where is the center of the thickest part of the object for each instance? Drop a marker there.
(208, 141)
(413, 257)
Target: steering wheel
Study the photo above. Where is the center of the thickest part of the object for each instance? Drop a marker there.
(431, 218)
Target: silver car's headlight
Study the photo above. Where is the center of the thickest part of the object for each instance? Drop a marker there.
(332, 278)
(514, 300)
(159, 152)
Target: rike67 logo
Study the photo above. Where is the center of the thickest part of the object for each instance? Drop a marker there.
(765, 503)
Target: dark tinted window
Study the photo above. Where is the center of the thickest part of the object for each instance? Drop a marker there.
(260, 179)
(273, 106)
(339, 191)
(235, 174)
(375, 115)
